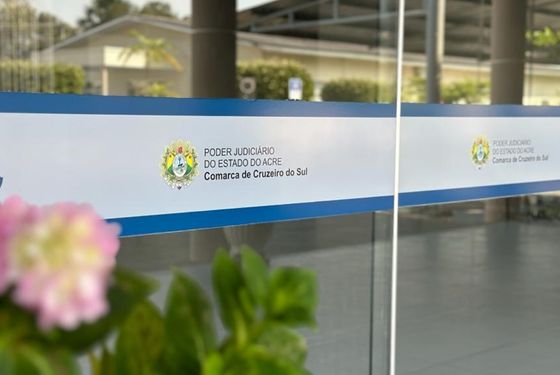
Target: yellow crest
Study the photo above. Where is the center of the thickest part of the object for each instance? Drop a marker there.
(179, 165)
(480, 151)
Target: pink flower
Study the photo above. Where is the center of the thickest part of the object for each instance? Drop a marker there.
(14, 215)
(59, 264)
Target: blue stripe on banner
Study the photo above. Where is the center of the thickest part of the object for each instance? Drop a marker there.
(126, 105)
(473, 193)
(459, 110)
(141, 225)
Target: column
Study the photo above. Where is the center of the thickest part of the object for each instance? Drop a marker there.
(214, 48)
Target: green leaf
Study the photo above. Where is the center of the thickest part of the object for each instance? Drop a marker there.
(283, 343)
(17, 323)
(6, 357)
(213, 365)
(189, 323)
(22, 358)
(61, 361)
(22, 363)
(128, 290)
(292, 299)
(104, 365)
(256, 361)
(175, 363)
(255, 274)
(140, 342)
(237, 309)
(31, 360)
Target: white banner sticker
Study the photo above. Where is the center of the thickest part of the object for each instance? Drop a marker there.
(453, 153)
(130, 166)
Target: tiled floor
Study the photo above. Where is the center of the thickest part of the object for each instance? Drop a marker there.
(481, 300)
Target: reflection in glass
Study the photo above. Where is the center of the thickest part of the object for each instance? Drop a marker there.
(328, 50)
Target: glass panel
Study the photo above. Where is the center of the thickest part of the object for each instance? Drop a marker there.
(476, 296)
(350, 254)
(542, 53)
(343, 51)
(459, 56)
(477, 279)
(327, 50)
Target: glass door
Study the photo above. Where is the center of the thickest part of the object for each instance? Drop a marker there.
(313, 89)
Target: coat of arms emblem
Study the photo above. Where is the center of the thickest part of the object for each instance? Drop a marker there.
(179, 165)
(480, 151)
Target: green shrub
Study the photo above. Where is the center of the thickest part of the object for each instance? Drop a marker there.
(68, 79)
(272, 78)
(465, 92)
(546, 40)
(414, 90)
(24, 76)
(462, 92)
(154, 89)
(351, 90)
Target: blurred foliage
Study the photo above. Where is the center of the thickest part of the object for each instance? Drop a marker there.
(356, 90)
(155, 89)
(24, 76)
(23, 29)
(101, 11)
(546, 39)
(465, 92)
(543, 207)
(414, 90)
(259, 308)
(158, 8)
(68, 79)
(154, 50)
(459, 92)
(26, 350)
(272, 78)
